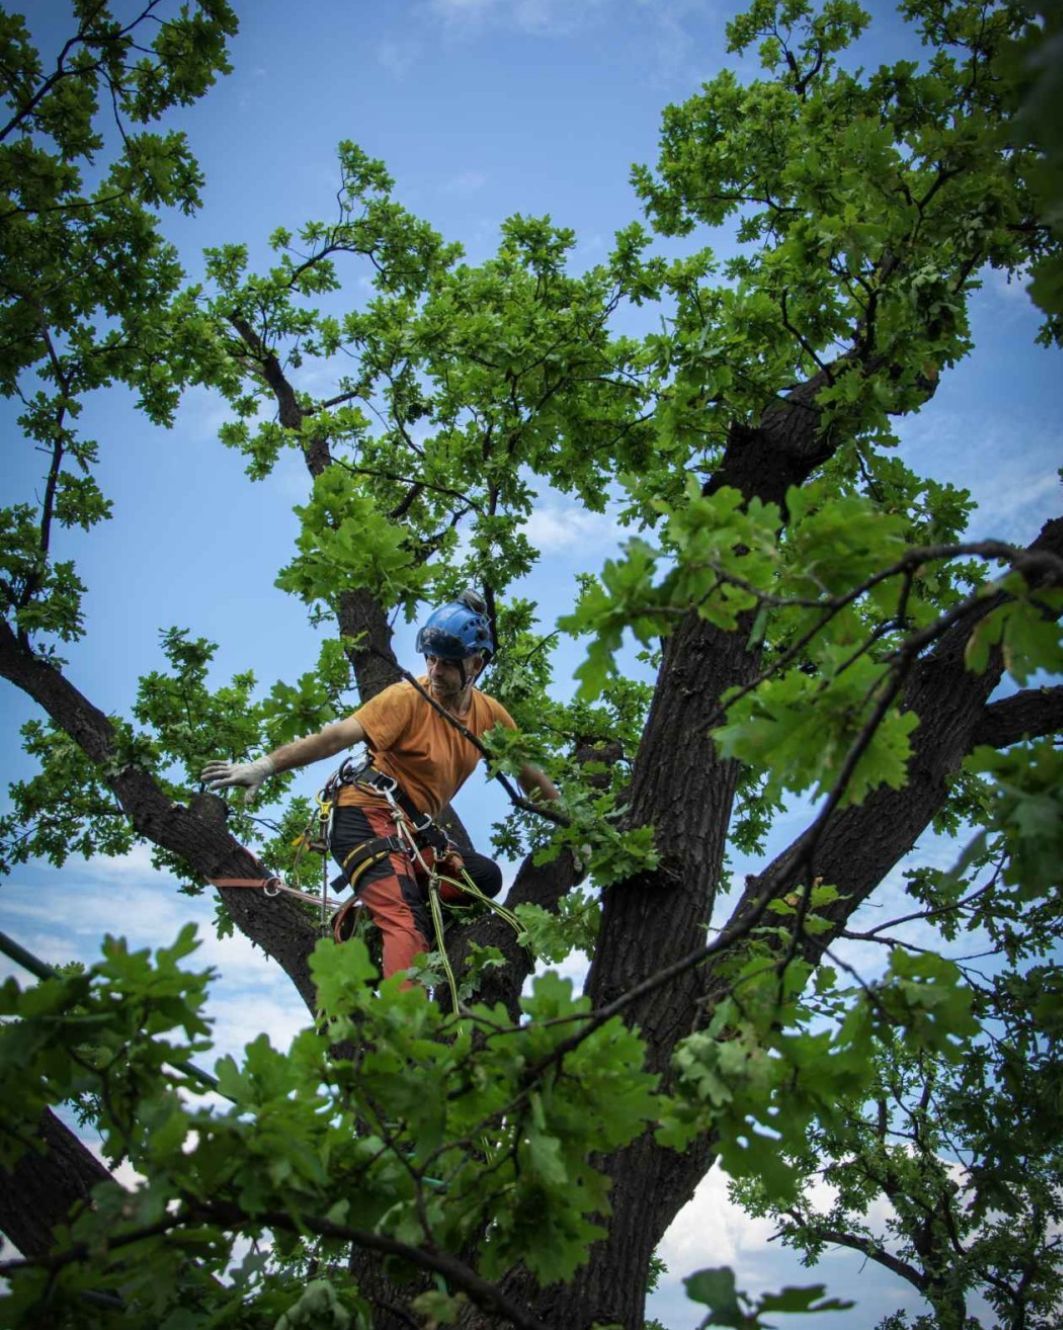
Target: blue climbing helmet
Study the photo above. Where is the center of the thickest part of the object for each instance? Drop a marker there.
(457, 630)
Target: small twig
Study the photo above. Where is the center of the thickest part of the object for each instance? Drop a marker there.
(805, 345)
(413, 481)
(989, 549)
(871, 934)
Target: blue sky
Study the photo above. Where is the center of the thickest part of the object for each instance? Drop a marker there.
(480, 108)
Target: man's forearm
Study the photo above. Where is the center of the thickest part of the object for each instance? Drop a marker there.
(536, 784)
(328, 742)
(220, 775)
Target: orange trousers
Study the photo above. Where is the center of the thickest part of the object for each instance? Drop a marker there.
(395, 896)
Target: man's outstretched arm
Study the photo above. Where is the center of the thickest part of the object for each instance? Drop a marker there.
(327, 742)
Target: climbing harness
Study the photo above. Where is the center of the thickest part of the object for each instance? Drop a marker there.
(415, 833)
(373, 781)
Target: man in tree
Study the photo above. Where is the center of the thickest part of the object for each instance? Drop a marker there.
(808, 601)
(420, 755)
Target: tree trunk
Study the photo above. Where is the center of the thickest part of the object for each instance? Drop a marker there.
(655, 919)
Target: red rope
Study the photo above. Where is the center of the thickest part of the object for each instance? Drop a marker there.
(244, 881)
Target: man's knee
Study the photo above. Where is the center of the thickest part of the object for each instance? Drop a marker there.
(486, 874)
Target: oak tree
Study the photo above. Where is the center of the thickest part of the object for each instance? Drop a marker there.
(810, 616)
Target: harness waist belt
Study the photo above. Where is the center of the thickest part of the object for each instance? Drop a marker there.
(379, 780)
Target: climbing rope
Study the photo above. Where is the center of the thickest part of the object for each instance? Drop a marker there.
(434, 877)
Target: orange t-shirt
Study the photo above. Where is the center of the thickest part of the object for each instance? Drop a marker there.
(411, 741)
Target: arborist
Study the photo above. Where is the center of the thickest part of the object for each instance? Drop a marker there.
(417, 761)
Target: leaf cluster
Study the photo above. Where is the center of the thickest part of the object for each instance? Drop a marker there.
(777, 1056)
(87, 275)
(469, 1135)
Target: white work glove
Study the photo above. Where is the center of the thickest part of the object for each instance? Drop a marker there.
(581, 861)
(221, 775)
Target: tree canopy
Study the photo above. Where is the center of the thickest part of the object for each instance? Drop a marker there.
(811, 621)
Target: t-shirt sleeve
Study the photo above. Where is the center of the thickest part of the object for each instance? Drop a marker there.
(386, 716)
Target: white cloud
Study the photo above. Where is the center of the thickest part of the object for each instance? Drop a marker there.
(712, 1230)
(133, 866)
(1009, 288)
(671, 52)
(123, 1173)
(574, 968)
(122, 895)
(126, 897)
(256, 1012)
(1016, 501)
(540, 17)
(464, 11)
(201, 414)
(554, 526)
(1009, 468)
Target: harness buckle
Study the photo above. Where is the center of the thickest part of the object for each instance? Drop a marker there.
(381, 781)
(403, 810)
(275, 883)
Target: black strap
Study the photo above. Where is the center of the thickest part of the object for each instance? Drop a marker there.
(363, 856)
(377, 847)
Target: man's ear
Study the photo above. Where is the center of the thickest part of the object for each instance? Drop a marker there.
(474, 665)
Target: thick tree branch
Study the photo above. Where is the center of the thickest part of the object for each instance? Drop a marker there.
(291, 414)
(861, 844)
(535, 884)
(1030, 714)
(361, 619)
(44, 1186)
(366, 636)
(200, 839)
